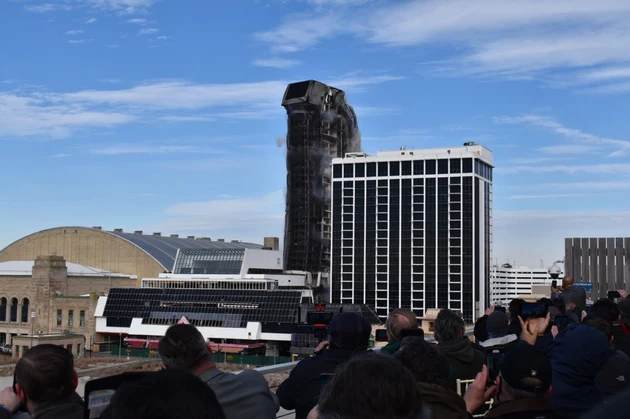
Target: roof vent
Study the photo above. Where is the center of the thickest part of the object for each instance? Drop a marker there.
(158, 234)
(97, 228)
(138, 232)
(236, 241)
(118, 230)
(207, 239)
(191, 237)
(174, 236)
(221, 240)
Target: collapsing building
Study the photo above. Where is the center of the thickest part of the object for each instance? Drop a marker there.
(321, 126)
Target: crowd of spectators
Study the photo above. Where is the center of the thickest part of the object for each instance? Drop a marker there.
(561, 364)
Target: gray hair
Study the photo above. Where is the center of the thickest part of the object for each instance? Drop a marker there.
(399, 319)
(183, 346)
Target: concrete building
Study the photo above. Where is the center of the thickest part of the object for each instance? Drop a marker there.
(320, 126)
(144, 256)
(508, 283)
(605, 262)
(50, 296)
(413, 229)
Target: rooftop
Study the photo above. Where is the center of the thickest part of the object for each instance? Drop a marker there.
(25, 268)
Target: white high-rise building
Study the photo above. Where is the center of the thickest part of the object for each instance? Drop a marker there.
(509, 283)
(413, 229)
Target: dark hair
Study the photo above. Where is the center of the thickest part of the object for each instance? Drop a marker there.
(559, 304)
(603, 325)
(448, 326)
(371, 386)
(606, 309)
(164, 395)
(399, 319)
(515, 308)
(425, 362)
(183, 346)
(46, 373)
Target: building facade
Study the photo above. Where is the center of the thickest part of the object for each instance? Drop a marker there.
(49, 296)
(605, 262)
(321, 126)
(413, 229)
(508, 283)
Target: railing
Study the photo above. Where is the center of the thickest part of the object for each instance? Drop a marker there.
(288, 366)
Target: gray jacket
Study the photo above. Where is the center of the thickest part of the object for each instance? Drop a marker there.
(242, 396)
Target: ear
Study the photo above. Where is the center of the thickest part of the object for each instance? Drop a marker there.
(20, 393)
(75, 380)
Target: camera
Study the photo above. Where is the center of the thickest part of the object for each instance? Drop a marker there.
(533, 310)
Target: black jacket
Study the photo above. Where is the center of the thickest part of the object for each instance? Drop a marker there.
(622, 340)
(522, 409)
(614, 377)
(71, 408)
(465, 361)
(444, 403)
(301, 390)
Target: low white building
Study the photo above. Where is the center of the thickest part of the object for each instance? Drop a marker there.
(507, 284)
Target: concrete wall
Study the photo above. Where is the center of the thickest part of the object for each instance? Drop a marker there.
(85, 246)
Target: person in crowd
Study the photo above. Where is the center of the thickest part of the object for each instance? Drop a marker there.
(167, 394)
(44, 383)
(521, 388)
(559, 308)
(244, 395)
(431, 371)
(497, 327)
(480, 331)
(514, 310)
(397, 321)
(449, 330)
(349, 335)
(370, 385)
(614, 376)
(571, 294)
(621, 328)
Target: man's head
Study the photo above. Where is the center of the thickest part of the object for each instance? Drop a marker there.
(44, 374)
(184, 347)
(606, 309)
(603, 325)
(567, 282)
(448, 326)
(399, 319)
(497, 324)
(515, 307)
(370, 386)
(525, 374)
(163, 395)
(349, 331)
(425, 361)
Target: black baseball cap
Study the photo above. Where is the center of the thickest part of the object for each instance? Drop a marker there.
(525, 361)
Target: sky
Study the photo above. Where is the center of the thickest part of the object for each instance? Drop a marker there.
(164, 115)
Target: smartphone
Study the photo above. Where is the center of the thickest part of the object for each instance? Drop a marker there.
(529, 310)
(380, 335)
(613, 295)
(99, 392)
(494, 359)
(587, 309)
(561, 322)
(499, 308)
(323, 380)
(554, 283)
(416, 332)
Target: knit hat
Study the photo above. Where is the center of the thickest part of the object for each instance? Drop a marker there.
(350, 331)
(497, 324)
(525, 361)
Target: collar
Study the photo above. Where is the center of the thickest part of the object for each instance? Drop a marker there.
(513, 406)
(210, 374)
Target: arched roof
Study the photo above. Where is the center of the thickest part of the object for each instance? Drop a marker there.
(162, 249)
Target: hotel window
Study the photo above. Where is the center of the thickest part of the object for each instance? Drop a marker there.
(82, 318)
(59, 317)
(70, 318)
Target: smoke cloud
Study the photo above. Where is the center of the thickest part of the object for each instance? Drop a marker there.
(281, 141)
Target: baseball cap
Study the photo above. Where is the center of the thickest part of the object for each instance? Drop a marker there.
(350, 331)
(524, 361)
(497, 324)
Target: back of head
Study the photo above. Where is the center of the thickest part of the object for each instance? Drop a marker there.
(425, 362)
(526, 372)
(371, 386)
(166, 394)
(183, 346)
(448, 326)
(567, 282)
(606, 309)
(579, 352)
(350, 331)
(515, 308)
(46, 373)
(497, 324)
(603, 325)
(399, 319)
(559, 304)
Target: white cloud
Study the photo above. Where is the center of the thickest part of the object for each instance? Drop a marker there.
(355, 82)
(110, 80)
(545, 196)
(115, 150)
(137, 21)
(77, 41)
(91, 21)
(148, 31)
(112, 46)
(163, 38)
(572, 169)
(605, 186)
(567, 149)
(277, 63)
(337, 2)
(59, 156)
(75, 32)
(123, 7)
(302, 32)
(46, 7)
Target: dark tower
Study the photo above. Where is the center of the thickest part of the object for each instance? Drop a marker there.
(321, 126)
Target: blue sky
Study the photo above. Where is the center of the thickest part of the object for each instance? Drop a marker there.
(165, 115)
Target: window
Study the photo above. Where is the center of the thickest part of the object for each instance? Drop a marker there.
(70, 318)
(371, 169)
(59, 316)
(468, 166)
(360, 169)
(442, 167)
(337, 171)
(82, 318)
(430, 167)
(406, 168)
(348, 170)
(394, 168)
(382, 169)
(456, 165)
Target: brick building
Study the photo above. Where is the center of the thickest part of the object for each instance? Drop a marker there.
(49, 296)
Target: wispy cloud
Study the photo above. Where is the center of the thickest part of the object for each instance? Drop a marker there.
(621, 147)
(78, 41)
(579, 186)
(163, 38)
(137, 21)
(110, 80)
(573, 169)
(277, 63)
(91, 21)
(46, 7)
(123, 7)
(545, 196)
(75, 32)
(148, 31)
(562, 150)
(59, 156)
(115, 150)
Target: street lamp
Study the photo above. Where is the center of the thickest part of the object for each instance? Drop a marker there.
(32, 326)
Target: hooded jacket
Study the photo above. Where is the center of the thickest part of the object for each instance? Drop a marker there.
(465, 361)
(614, 376)
(578, 354)
(444, 403)
(68, 408)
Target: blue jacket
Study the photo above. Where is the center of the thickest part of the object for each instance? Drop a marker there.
(578, 354)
